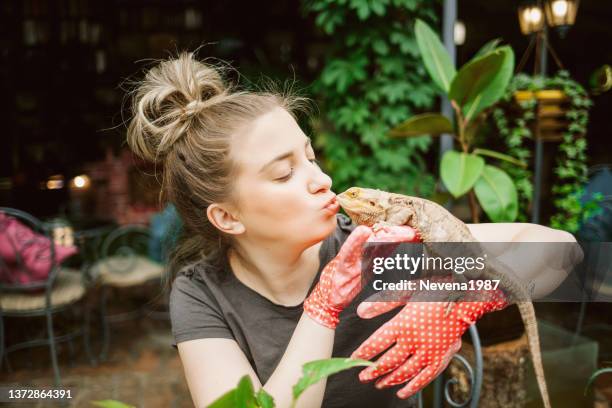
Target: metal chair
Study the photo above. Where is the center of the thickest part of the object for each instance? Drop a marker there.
(59, 291)
(124, 265)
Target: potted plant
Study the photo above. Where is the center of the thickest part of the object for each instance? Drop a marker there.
(472, 90)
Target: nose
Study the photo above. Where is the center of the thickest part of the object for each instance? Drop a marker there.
(318, 180)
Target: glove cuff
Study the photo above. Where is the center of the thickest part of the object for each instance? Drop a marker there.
(319, 310)
(499, 301)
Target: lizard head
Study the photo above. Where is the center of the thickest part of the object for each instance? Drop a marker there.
(365, 206)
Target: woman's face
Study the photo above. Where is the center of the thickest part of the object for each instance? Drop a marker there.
(282, 194)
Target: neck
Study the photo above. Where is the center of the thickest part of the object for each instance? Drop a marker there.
(277, 272)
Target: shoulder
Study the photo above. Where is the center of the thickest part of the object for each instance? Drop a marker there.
(195, 311)
(195, 281)
(197, 287)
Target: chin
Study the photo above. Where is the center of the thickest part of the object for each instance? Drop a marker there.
(321, 230)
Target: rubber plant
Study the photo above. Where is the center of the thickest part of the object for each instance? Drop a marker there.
(472, 90)
(515, 128)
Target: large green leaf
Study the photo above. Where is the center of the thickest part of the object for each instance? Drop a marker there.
(241, 396)
(488, 47)
(472, 80)
(496, 88)
(500, 156)
(425, 124)
(435, 57)
(264, 399)
(459, 171)
(496, 193)
(315, 371)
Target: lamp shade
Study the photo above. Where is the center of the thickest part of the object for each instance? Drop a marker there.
(561, 13)
(531, 18)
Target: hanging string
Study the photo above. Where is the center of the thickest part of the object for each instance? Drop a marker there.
(553, 53)
(534, 41)
(525, 56)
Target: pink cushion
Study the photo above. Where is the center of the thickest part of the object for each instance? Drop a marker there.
(34, 250)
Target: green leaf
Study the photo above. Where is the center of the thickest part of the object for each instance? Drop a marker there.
(497, 195)
(245, 395)
(264, 399)
(488, 47)
(315, 371)
(111, 404)
(474, 78)
(435, 57)
(425, 124)
(500, 156)
(241, 396)
(459, 171)
(496, 88)
(594, 376)
(380, 46)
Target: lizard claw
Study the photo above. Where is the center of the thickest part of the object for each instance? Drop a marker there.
(452, 298)
(380, 226)
(449, 307)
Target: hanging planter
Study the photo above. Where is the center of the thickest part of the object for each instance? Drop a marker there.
(553, 109)
(552, 106)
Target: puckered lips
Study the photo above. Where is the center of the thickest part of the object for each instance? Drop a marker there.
(332, 205)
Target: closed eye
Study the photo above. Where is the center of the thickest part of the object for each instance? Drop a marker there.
(288, 176)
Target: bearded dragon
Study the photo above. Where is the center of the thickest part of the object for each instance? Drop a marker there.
(433, 223)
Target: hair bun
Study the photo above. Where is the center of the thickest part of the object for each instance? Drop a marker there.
(195, 107)
(170, 96)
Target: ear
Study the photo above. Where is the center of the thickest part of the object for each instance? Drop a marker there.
(224, 219)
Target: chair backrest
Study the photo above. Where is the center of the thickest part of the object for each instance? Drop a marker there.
(125, 246)
(28, 258)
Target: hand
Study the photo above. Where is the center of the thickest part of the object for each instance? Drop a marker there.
(340, 280)
(425, 340)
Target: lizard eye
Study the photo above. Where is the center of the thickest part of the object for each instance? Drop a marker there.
(353, 194)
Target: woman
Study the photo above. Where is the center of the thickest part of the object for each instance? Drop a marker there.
(264, 240)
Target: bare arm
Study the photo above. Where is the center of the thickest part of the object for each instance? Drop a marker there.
(214, 366)
(547, 267)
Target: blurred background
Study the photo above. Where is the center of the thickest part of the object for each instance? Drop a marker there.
(65, 63)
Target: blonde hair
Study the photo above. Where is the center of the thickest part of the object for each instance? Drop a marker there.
(184, 116)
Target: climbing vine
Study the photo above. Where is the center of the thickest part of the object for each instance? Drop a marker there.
(514, 126)
(372, 79)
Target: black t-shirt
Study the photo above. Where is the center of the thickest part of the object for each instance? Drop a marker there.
(207, 300)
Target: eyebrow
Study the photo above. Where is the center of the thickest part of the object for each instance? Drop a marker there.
(283, 156)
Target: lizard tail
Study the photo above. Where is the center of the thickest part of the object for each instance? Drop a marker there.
(531, 328)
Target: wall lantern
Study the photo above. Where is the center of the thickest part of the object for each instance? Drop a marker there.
(561, 14)
(558, 14)
(531, 18)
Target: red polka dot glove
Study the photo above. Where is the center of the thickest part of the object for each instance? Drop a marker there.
(340, 280)
(423, 340)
